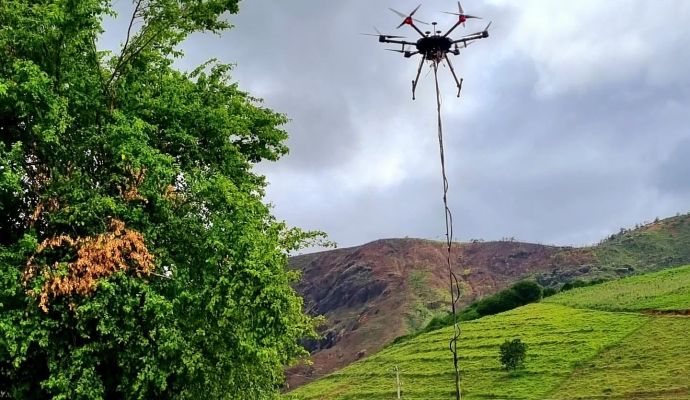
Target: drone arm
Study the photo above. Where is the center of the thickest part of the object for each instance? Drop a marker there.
(452, 28)
(416, 79)
(417, 29)
(452, 71)
(474, 36)
(398, 42)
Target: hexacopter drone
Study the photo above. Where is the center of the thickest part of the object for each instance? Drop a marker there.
(432, 45)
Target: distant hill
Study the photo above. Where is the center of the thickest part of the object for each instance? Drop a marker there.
(649, 247)
(373, 293)
(625, 339)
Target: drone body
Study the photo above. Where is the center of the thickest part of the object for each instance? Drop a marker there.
(433, 45)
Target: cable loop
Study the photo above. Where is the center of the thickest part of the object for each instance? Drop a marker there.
(455, 291)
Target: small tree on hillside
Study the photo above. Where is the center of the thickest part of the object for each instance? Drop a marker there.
(512, 354)
(528, 291)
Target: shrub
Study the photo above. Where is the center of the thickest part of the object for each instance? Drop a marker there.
(438, 322)
(577, 283)
(521, 293)
(441, 321)
(573, 285)
(528, 291)
(512, 354)
(501, 301)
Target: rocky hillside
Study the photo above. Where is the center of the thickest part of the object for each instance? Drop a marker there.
(624, 339)
(373, 293)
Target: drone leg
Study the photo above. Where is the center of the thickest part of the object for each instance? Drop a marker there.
(416, 80)
(452, 71)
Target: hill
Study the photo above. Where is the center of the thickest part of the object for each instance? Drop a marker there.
(618, 340)
(373, 293)
(646, 248)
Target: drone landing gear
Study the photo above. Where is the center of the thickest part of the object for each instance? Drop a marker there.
(416, 80)
(452, 71)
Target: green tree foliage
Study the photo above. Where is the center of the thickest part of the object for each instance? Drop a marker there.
(577, 283)
(499, 302)
(521, 293)
(528, 291)
(512, 354)
(137, 258)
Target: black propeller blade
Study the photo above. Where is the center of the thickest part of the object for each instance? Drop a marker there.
(386, 36)
(408, 18)
(461, 14)
(485, 32)
(379, 34)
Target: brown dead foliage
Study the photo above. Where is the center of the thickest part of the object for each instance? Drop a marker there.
(170, 193)
(48, 205)
(93, 257)
(130, 190)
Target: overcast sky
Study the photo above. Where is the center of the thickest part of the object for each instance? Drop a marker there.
(574, 119)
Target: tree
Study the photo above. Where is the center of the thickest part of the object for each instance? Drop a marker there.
(502, 301)
(137, 258)
(528, 291)
(512, 354)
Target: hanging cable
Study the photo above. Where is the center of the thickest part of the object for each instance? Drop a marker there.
(454, 284)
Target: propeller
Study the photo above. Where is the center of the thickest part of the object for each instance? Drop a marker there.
(462, 17)
(485, 32)
(408, 18)
(379, 34)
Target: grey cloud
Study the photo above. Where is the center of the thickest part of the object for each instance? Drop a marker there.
(673, 174)
(607, 146)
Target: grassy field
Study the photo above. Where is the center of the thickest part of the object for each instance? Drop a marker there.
(577, 350)
(652, 363)
(667, 290)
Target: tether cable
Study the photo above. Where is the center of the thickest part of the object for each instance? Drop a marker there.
(454, 284)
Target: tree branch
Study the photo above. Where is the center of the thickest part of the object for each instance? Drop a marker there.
(125, 48)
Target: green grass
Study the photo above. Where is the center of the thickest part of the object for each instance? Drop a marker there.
(559, 339)
(666, 290)
(652, 363)
(577, 350)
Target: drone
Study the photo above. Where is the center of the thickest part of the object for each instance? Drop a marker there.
(433, 45)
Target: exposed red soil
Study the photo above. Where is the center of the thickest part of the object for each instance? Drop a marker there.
(673, 313)
(680, 393)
